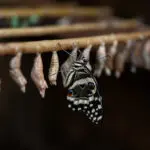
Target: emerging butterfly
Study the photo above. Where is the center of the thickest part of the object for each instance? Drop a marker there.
(83, 94)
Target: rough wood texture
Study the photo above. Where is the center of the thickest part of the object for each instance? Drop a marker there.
(56, 45)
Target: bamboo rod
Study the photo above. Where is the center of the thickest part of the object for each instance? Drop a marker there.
(56, 45)
(57, 29)
(56, 11)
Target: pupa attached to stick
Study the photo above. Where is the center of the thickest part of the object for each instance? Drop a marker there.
(121, 59)
(100, 60)
(137, 59)
(54, 68)
(37, 75)
(65, 67)
(146, 54)
(15, 72)
(86, 56)
(109, 63)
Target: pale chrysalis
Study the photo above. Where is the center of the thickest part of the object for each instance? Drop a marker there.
(109, 63)
(146, 54)
(54, 68)
(137, 59)
(121, 59)
(15, 72)
(100, 60)
(86, 56)
(37, 75)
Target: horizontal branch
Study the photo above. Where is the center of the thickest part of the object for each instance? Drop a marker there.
(56, 11)
(56, 45)
(57, 29)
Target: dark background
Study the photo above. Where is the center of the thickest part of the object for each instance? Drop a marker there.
(28, 122)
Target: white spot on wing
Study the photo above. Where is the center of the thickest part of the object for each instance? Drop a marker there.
(91, 98)
(91, 115)
(99, 107)
(93, 110)
(96, 113)
(79, 108)
(81, 101)
(73, 109)
(99, 118)
(91, 105)
(94, 118)
(69, 106)
(76, 102)
(85, 107)
(86, 102)
(70, 99)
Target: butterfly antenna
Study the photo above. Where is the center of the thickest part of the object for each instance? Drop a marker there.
(64, 50)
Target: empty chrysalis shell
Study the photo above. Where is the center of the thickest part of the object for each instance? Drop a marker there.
(121, 59)
(66, 66)
(86, 56)
(37, 75)
(137, 59)
(146, 54)
(100, 60)
(16, 73)
(54, 68)
(109, 63)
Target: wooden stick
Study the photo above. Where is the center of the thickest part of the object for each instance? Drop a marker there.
(56, 11)
(56, 45)
(57, 29)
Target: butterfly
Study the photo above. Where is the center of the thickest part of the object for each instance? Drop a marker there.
(83, 94)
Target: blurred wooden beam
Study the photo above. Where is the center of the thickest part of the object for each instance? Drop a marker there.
(57, 11)
(60, 29)
(66, 44)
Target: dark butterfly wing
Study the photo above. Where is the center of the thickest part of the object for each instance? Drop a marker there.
(91, 108)
(82, 96)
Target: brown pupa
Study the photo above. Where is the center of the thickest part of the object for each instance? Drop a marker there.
(109, 63)
(121, 59)
(37, 75)
(15, 72)
(100, 60)
(54, 68)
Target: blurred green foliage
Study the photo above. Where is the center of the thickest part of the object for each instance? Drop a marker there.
(17, 22)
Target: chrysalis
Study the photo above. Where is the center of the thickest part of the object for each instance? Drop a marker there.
(100, 60)
(16, 73)
(146, 54)
(137, 59)
(83, 94)
(86, 56)
(121, 58)
(38, 76)
(109, 63)
(66, 66)
(54, 68)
